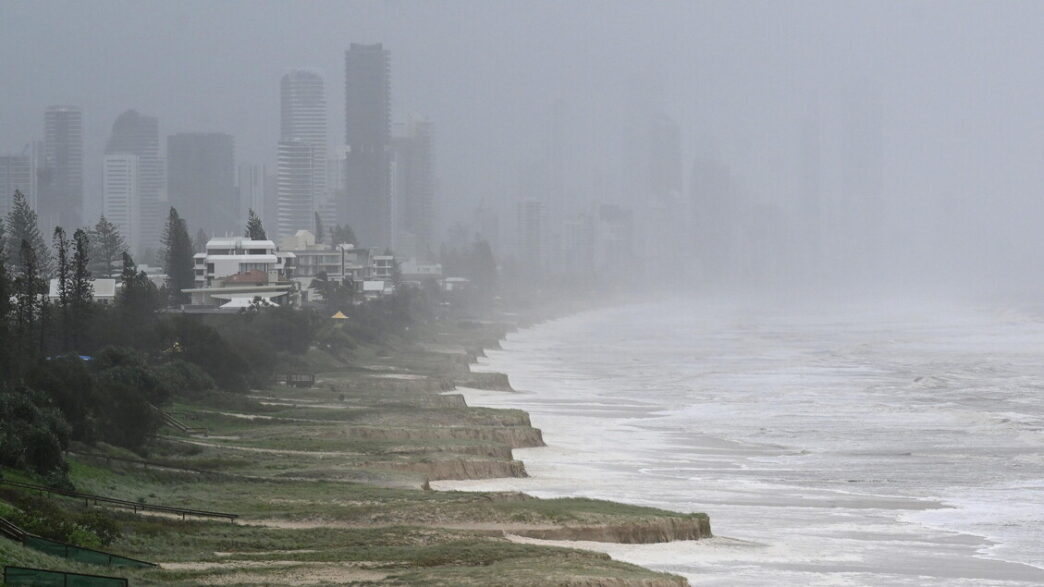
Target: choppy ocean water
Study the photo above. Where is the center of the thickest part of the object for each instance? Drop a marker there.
(845, 445)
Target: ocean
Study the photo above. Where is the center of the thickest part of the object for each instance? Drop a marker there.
(880, 444)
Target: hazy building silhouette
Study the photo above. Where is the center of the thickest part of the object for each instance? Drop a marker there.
(121, 196)
(135, 134)
(251, 188)
(16, 173)
(60, 182)
(295, 186)
(414, 189)
(302, 188)
(367, 198)
(201, 182)
(662, 214)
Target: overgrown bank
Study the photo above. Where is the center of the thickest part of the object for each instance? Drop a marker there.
(328, 484)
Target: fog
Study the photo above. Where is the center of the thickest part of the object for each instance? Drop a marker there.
(754, 142)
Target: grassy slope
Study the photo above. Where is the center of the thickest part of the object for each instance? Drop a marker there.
(331, 527)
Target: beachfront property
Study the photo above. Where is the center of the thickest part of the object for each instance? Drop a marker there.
(234, 271)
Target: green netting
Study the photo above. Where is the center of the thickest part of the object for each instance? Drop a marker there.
(24, 576)
(82, 555)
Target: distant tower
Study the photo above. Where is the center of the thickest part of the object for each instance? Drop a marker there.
(121, 189)
(251, 188)
(295, 187)
(367, 201)
(303, 100)
(134, 134)
(414, 184)
(663, 215)
(201, 182)
(16, 173)
(60, 197)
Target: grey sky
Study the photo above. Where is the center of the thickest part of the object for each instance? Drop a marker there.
(960, 83)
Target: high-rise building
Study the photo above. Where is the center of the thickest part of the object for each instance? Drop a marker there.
(303, 127)
(367, 202)
(135, 134)
(251, 187)
(201, 182)
(16, 173)
(295, 185)
(414, 189)
(60, 187)
(121, 196)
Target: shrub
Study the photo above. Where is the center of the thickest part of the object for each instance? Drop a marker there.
(183, 377)
(33, 436)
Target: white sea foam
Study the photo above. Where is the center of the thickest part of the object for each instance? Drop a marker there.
(850, 446)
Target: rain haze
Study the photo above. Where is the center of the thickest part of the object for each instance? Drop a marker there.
(893, 139)
(779, 263)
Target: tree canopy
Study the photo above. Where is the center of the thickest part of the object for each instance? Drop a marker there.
(22, 225)
(107, 246)
(177, 258)
(343, 235)
(254, 229)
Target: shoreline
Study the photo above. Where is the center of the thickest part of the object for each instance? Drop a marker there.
(864, 526)
(475, 396)
(332, 483)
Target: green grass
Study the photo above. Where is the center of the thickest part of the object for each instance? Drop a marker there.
(404, 532)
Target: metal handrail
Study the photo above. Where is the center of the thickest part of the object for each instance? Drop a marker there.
(87, 497)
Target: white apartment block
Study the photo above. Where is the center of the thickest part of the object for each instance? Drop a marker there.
(120, 196)
(231, 256)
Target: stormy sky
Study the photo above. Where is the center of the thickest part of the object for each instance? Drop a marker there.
(956, 88)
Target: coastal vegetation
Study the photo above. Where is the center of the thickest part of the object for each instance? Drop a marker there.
(141, 406)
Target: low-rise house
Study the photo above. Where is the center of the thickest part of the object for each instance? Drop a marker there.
(415, 272)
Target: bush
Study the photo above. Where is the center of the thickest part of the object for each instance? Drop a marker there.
(188, 339)
(67, 382)
(184, 377)
(33, 436)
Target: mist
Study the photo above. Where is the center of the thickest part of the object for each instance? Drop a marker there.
(754, 143)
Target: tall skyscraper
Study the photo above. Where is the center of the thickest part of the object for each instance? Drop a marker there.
(301, 188)
(251, 189)
(16, 173)
(201, 182)
(295, 186)
(367, 201)
(121, 196)
(60, 187)
(134, 134)
(414, 189)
